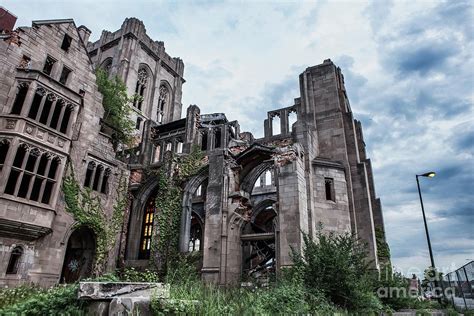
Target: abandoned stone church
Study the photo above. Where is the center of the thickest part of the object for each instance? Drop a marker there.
(241, 213)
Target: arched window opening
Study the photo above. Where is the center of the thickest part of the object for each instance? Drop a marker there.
(20, 98)
(147, 228)
(58, 110)
(195, 236)
(66, 118)
(4, 147)
(168, 146)
(105, 181)
(198, 191)
(140, 88)
(292, 118)
(97, 177)
(107, 65)
(276, 125)
(162, 103)
(79, 257)
(156, 156)
(89, 172)
(46, 109)
(268, 178)
(36, 103)
(14, 262)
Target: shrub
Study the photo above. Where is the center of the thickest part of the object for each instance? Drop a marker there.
(336, 266)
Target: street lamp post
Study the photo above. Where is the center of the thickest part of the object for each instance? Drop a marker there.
(429, 175)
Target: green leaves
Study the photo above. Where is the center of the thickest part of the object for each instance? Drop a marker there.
(116, 107)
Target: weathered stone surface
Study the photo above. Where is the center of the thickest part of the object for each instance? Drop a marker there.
(110, 290)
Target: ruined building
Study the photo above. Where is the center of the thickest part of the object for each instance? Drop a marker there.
(241, 212)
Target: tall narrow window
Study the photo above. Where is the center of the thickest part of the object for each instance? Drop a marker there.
(105, 181)
(168, 146)
(36, 104)
(20, 98)
(217, 137)
(162, 102)
(67, 40)
(268, 178)
(66, 118)
(58, 109)
(14, 262)
(198, 191)
(140, 88)
(156, 156)
(138, 125)
(179, 147)
(89, 173)
(47, 108)
(64, 75)
(147, 229)
(292, 117)
(329, 189)
(4, 146)
(276, 125)
(195, 235)
(48, 65)
(204, 141)
(97, 177)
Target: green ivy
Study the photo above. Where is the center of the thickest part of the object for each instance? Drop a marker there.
(86, 208)
(165, 244)
(383, 250)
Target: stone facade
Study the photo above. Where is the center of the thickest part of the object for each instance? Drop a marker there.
(242, 212)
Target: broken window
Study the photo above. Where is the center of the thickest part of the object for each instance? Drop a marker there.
(67, 40)
(138, 124)
(33, 174)
(217, 138)
(20, 98)
(147, 228)
(168, 146)
(258, 246)
(195, 236)
(48, 65)
(14, 262)
(64, 75)
(329, 189)
(140, 88)
(162, 102)
(4, 147)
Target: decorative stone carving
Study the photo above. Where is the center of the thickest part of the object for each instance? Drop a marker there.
(142, 76)
(10, 124)
(52, 97)
(41, 91)
(51, 138)
(29, 129)
(60, 143)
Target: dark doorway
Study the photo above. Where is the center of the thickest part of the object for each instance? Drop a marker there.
(79, 257)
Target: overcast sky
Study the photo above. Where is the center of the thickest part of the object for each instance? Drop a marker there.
(408, 69)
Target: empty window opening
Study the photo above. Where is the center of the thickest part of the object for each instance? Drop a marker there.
(27, 177)
(268, 178)
(179, 147)
(107, 65)
(14, 262)
(258, 183)
(198, 191)
(162, 102)
(217, 138)
(66, 118)
(67, 40)
(204, 141)
(46, 109)
(195, 235)
(138, 125)
(105, 181)
(276, 125)
(156, 156)
(19, 99)
(89, 172)
(147, 229)
(48, 65)
(98, 175)
(292, 118)
(4, 147)
(64, 75)
(140, 88)
(35, 105)
(168, 146)
(329, 188)
(58, 109)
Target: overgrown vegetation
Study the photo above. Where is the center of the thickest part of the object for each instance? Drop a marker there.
(86, 208)
(165, 244)
(116, 105)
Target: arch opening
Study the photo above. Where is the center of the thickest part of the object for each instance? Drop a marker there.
(79, 256)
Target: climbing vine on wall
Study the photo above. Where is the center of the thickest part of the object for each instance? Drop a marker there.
(383, 250)
(165, 245)
(86, 208)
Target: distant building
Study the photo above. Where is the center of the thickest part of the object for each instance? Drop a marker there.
(242, 212)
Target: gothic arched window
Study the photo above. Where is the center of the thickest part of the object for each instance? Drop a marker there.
(195, 236)
(107, 65)
(14, 262)
(147, 229)
(140, 88)
(162, 102)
